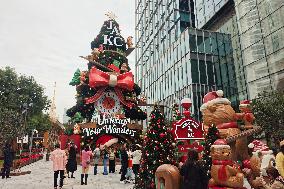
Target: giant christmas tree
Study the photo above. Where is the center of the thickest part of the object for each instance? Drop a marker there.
(107, 87)
(158, 149)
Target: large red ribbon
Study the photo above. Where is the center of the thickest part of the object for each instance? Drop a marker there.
(101, 80)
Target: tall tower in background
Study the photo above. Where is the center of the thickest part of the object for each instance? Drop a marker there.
(52, 112)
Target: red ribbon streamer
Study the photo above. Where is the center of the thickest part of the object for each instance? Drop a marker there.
(249, 117)
(222, 175)
(227, 125)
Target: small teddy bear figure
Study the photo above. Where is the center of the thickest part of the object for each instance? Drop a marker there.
(76, 130)
(93, 57)
(83, 77)
(224, 172)
(261, 160)
(129, 42)
(247, 115)
(124, 68)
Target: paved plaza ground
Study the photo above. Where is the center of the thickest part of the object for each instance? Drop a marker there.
(41, 177)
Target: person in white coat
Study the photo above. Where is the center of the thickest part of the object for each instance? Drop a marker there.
(136, 159)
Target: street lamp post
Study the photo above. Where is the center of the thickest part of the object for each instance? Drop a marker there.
(186, 104)
(25, 107)
(31, 140)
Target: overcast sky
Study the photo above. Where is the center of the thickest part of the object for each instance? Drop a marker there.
(44, 38)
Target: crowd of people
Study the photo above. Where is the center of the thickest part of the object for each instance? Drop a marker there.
(194, 176)
(65, 161)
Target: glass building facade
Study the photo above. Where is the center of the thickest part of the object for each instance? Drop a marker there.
(256, 29)
(173, 62)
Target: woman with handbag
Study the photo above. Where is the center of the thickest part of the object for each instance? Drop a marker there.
(86, 160)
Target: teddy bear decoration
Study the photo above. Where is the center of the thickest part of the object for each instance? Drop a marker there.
(246, 114)
(129, 42)
(217, 110)
(224, 172)
(76, 129)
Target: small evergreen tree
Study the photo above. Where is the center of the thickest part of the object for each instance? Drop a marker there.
(76, 78)
(268, 109)
(211, 137)
(158, 149)
(176, 115)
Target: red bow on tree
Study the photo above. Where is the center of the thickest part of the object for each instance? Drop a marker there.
(102, 80)
(98, 78)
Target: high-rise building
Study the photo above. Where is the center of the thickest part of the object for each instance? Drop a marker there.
(175, 60)
(256, 29)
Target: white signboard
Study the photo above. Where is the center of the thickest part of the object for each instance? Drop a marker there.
(111, 125)
(25, 139)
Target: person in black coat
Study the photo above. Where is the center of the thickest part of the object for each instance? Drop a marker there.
(124, 163)
(71, 165)
(8, 160)
(194, 175)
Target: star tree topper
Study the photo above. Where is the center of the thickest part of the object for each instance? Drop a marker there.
(111, 15)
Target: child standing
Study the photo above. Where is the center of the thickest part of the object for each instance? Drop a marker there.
(105, 159)
(112, 161)
(129, 174)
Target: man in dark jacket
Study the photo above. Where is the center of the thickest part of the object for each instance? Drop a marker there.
(193, 172)
(71, 165)
(8, 160)
(124, 163)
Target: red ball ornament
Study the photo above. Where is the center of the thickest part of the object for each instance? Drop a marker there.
(162, 135)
